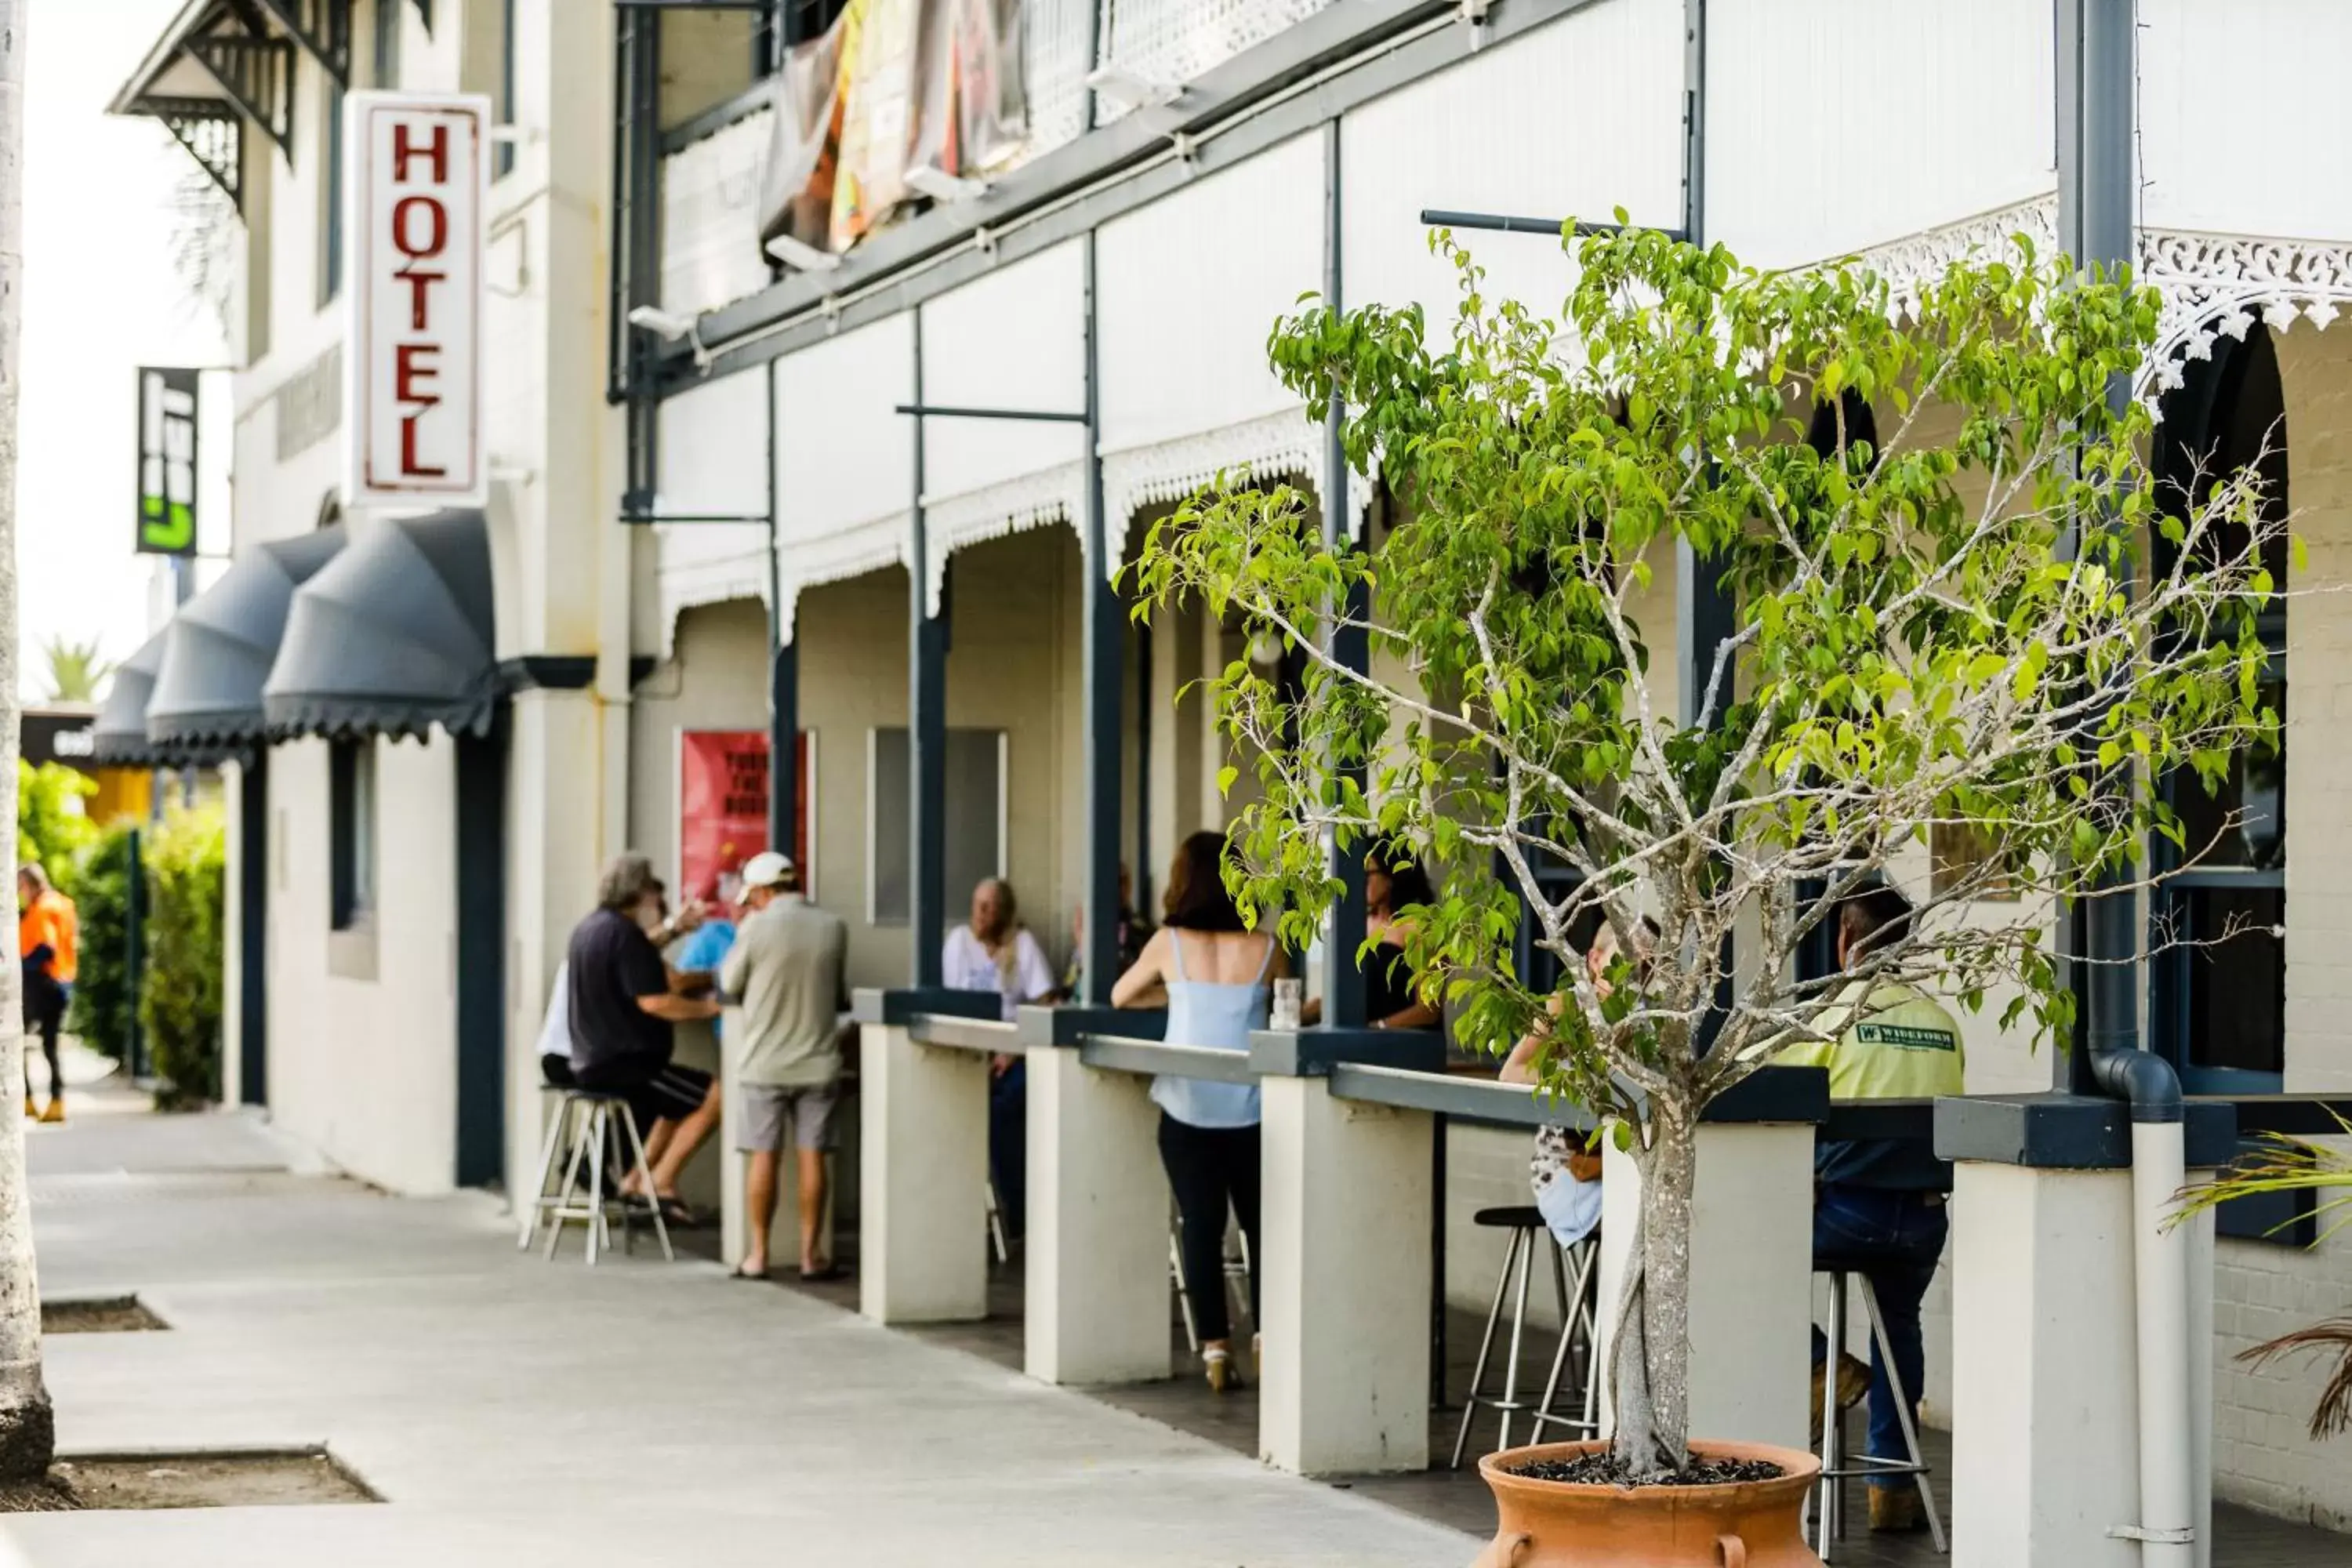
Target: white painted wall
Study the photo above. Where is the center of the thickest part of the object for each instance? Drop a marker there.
(1503, 134)
(1834, 125)
(366, 1068)
(2243, 116)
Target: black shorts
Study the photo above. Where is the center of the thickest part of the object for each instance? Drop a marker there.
(668, 1094)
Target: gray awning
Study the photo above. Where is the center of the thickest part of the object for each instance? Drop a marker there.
(394, 635)
(219, 649)
(119, 738)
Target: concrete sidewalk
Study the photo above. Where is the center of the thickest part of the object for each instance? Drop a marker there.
(518, 1413)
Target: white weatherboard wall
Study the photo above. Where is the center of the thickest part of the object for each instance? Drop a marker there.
(845, 457)
(1833, 125)
(2243, 116)
(711, 451)
(1502, 134)
(366, 1068)
(1013, 340)
(1187, 289)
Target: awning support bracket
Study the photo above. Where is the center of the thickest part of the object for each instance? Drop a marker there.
(215, 138)
(257, 75)
(323, 28)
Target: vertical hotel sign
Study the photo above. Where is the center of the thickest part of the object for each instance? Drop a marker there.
(167, 461)
(419, 186)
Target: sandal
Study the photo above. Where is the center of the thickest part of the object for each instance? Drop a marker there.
(819, 1276)
(677, 1216)
(740, 1272)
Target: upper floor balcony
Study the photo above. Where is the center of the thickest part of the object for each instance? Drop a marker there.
(757, 142)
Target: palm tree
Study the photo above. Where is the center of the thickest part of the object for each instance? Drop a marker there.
(2281, 1164)
(27, 1429)
(76, 670)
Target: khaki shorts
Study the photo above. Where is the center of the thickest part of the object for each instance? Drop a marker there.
(769, 1108)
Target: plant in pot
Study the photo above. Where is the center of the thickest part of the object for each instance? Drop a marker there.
(1931, 660)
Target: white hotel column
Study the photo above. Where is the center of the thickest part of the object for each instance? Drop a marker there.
(1097, 1256)
(2045, 1405)
(923, 1180)
(1752, 1257)
(1344, 1259)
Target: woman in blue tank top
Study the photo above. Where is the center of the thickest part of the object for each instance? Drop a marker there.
(1216, 977)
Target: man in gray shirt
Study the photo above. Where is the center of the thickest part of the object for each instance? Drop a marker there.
(786, 972)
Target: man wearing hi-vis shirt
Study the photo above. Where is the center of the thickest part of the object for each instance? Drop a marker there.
(1881, 1201)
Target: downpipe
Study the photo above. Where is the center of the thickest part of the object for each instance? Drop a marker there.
(2166, 1529)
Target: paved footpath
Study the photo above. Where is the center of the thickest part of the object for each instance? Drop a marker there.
(528, 1414)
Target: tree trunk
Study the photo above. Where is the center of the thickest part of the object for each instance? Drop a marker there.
(1652, 1360)
(27, 1433)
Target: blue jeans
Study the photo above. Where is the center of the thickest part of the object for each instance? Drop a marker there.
(1899, 1236)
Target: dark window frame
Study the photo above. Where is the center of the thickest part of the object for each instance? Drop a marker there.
(2198, 417)
(331, 191)
(352, 799)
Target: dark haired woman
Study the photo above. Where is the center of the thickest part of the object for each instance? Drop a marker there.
(1215, 975)
(1394, 882)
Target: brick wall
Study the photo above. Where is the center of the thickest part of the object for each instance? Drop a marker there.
(2262, 1456)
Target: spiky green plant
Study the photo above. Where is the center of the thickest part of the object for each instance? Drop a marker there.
(2280, 1165)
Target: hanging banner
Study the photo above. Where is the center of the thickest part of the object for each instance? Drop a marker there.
(796, 182)
(167, 461)
(418, 185)
(722, 810)
(880, 63)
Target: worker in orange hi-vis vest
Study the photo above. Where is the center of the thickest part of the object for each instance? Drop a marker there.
(47, 934)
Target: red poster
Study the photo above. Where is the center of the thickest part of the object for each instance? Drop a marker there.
(722, 807)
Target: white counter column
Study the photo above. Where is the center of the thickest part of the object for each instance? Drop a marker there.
(923, 1141)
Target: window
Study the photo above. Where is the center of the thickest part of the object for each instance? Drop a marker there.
(502, 156)
(2218, 1003)
(350, 832)
(387, 42)
(975, 820)
(331, 191)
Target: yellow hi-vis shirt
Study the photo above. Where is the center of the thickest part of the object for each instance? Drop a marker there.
(1899, 1044)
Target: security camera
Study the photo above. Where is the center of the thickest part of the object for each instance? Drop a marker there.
(1119, 82)
(665, 323)
(802, 257)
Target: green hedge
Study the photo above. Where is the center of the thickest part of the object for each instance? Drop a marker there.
(101, 889)
(180, 1004)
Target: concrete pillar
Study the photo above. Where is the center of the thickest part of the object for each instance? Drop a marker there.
(2044, 1405)
(923, 1199)
(1752, 1254)
(1098, 1288)
(1344, 1282)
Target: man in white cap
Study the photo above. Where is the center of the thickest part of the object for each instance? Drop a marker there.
(786, 973)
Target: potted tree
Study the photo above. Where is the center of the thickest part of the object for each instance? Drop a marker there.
(1967, 625)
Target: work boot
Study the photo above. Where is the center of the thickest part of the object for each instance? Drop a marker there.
(31, 1108)
(1894, 1509)
(56, 1111)
(1853, 1388)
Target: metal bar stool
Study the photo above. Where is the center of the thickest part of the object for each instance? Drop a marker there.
(1529, 1233)
(1837, 1464)
(1237, 1269)
(594, 1127)
(1584, 1290)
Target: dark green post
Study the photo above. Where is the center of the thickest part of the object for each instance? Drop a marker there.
(134, 969)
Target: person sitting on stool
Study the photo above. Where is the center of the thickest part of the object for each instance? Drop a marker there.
(1882, 1199)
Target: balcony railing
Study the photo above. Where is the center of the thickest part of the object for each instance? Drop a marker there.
(710, 171)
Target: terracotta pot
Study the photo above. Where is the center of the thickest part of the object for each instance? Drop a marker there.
(1552, 1524)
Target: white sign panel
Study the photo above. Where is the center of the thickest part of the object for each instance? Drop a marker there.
(419, 187)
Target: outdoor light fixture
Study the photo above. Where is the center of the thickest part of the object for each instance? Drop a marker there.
(801, 256)
(668, 323)
(941, 186)
(1116, 81)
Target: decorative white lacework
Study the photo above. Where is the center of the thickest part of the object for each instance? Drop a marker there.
(2212, 285)
(852, 551)
(2224, 283)
(1287, 445)
(1053, 495)
(707, 564)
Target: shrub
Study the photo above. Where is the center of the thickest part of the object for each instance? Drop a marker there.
(52, 826)
(180, 1004)
(101, 889)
